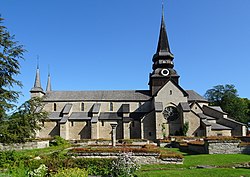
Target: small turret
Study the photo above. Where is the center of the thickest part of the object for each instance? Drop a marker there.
(48, 88)
(37, 90)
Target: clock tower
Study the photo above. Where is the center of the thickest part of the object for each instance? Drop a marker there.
(163, 66)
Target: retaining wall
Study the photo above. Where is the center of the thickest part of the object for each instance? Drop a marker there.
(24, 146)
(141, 158)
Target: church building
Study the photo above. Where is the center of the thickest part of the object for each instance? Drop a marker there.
(164, 109)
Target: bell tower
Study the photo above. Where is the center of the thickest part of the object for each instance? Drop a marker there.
(163, 65)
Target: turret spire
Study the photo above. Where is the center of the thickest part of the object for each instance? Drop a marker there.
(48, 88)
(37, 89)
(37, 83)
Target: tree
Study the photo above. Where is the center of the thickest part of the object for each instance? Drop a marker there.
(24, 123)
(10, 54)
(227, 98)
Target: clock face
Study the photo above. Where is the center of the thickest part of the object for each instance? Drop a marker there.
(170, 113)
(165, 72)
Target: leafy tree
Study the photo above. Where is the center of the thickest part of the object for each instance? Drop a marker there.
(24, 123)
(227, 98)
(10, 52)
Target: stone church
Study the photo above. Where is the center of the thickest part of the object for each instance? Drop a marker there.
(162, 110)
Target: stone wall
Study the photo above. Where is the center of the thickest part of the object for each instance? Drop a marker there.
(24, 146)
(222, 146)
(141, 158)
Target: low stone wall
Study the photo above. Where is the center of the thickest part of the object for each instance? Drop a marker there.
(24, 146)
(141, 158)
(222, 146)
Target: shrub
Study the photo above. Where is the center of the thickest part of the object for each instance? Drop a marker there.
(58, 141)
(94, 166)
(71, 172)
(124, 166)
(19, 171)
(11, 158)
(41, 171)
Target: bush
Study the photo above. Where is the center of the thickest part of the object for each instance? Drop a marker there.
(11, 158)
(124, 166)
(95, 166)
(41, 171)
(71, 172)
(58, 141)
(19, 171)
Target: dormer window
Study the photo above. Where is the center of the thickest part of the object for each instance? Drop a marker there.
(54, 106)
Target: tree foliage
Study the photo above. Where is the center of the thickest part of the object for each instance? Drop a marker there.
(10, 53)
(227, 98)
(24, 123)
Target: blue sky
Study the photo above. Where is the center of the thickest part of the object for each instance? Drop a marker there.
(108, 45)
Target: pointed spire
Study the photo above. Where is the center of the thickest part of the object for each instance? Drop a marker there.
(163, 48)
(48, 88)
(37, 85)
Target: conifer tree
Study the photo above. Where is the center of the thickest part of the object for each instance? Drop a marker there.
(11, 52)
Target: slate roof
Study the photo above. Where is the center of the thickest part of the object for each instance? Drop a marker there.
(109, 116)
(215, 126)
(194, 96)
(218, 108)
(67, 108)
(64, 119)
(54, 116)
(79, 116)
(110, 95)
(185, 106)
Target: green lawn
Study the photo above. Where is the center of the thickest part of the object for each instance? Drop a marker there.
(223, 161)
(218, 172)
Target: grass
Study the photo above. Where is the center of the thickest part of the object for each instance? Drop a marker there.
(188, 169)
(224, 162)
(43, 151)
(222, 172)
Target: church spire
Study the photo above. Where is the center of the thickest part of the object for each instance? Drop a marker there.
(163, 65)
(37, 89)
(163, 44)
(37, 83)
(163, 48)
(48, 88)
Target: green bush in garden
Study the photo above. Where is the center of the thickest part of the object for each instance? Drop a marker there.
(58, 141)
(95, 166)
(71, 172)
(124, 166)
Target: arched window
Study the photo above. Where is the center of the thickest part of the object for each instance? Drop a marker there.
(54, 106)
(171, 92)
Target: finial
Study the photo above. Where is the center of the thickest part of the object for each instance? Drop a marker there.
(37, 57)
(48, 88)
(48, 70)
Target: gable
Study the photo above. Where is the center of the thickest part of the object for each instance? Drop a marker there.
(196, 108)
(171, 93)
